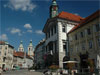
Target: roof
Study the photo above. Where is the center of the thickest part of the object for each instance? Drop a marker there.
(86, 20)
(69, 16)
(65, 16)
(5, 43)
(2, 42)
(21, 54)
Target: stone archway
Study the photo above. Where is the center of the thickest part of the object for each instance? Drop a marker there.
(66, 58)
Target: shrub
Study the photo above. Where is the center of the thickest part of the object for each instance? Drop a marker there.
(54, 67)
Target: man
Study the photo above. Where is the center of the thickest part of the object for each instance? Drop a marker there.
(0, 70)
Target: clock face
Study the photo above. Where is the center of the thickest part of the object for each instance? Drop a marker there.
(54, 8)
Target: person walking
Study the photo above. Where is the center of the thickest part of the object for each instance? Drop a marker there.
(0, 70)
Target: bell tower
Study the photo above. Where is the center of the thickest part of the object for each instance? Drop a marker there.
(53, 9)
(21, 48)
(30, 49)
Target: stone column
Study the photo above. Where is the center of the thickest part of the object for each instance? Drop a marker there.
(60, 44)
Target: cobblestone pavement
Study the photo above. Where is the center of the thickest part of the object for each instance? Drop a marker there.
(22, 72)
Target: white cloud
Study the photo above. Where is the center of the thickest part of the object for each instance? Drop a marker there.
(27, 26)
(15, 31)
(24, 5)
(39, 32)
(30, 31)
(3, 37)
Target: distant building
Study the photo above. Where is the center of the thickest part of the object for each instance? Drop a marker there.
(39, 55)
(84, 41)
(21, 48)
(55, 31)
(22, 60)
(6, 55)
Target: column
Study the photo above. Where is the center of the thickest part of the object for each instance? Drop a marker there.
(60, 44)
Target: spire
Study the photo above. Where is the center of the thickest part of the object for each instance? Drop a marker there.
(21, 43)
(53, 9)
(54, 2)
(30, 44)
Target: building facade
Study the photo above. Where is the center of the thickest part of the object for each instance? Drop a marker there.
(55, 31)
(84, 41)
(6, 55)
(39, 55)
(22, 60)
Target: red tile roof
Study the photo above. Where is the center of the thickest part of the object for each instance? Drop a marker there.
(21, 54)
(86, 20)
(2, 42)
(70, 16)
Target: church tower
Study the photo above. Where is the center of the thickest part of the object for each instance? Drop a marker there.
(30, 49)
(53, 9)
(21, 48)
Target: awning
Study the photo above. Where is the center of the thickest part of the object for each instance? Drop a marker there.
(71, 62)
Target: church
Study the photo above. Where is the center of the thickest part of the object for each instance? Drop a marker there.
(30, 48)
(22, 58)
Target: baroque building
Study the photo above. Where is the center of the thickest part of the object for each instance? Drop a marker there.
(55, 29)
(6, 55)
(39, 55)
(84, 41)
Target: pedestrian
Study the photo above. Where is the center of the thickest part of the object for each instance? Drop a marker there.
(0, 70)
(61, 72)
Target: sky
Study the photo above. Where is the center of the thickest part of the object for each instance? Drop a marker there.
(25, 19)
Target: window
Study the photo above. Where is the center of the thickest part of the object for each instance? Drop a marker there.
(83, 46)
(55, 29)
(52, 31)
(70, 39)
(29, 49)
(6, 48)
(64, 45)
(46, 36)
(76, 37)
(99, 41)
(88, 31)
(97, 27)
(5, 53)
(49, 33)
(71, 49)
(63, 29)
(90, 44)
(76, 48)
(82, 34)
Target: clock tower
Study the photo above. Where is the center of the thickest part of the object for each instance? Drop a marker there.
(53, 9)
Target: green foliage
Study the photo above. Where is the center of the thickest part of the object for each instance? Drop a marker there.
(54, 67)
